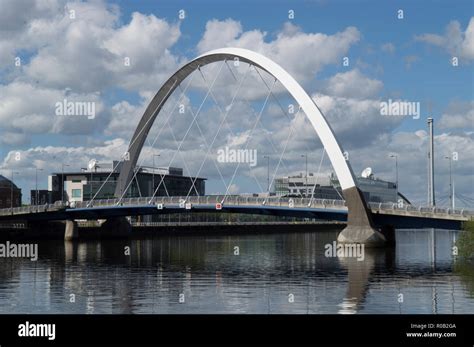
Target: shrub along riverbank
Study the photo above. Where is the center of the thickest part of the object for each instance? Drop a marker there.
(465, 242)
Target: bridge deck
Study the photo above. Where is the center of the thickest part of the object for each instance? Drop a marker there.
(298, 207)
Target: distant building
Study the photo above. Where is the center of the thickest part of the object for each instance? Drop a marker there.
(301, 185)
(102, 180)
(7, 189)
(41, 197)
(327, 187)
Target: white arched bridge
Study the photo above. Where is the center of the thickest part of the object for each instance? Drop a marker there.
(363, 219)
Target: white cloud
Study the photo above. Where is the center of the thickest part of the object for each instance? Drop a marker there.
(146, 41)
(458, 115)
(50, 158)
(88, 54)
(352, 84)
(388, 47)
(456, 42)
(16, 17)
(16, 14)
(410, 60)
(350, 118)
(218, 34)
(79, 58)
(35, 116)
(30, 109)
(124, 118)
(411, 149)
(302, 54)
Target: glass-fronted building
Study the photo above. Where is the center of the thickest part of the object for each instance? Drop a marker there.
(327, 187)
(100, 182)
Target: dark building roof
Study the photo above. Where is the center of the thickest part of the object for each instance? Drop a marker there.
(116, 174)
(6, 183)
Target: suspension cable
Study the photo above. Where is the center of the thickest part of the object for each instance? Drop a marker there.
(266, 135)
(189, 128)
(220, 125)
(251, 132)
(131, 144)
(319, 169)
(157, 135)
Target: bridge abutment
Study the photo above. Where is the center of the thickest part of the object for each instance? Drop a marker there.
(360, 227)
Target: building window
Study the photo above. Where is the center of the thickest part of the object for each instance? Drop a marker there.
(76, 181)
(76, 193)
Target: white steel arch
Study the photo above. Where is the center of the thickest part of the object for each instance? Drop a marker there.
(360, 226)
(341, 166)
(318, 121)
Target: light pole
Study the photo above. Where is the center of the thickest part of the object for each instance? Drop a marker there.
(36, 178)
(153, 185)
(11, 192)
(62, 180)
(268, 173)
(451, 194)
(94, 167)
(306, 174)
(396, 168)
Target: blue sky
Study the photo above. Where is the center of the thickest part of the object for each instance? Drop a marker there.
(376, 20)
(390, 58)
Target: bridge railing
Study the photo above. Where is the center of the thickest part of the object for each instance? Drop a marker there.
(28, 209)
(272, 201)
(420, 209)
(213, 199)
(237, 200)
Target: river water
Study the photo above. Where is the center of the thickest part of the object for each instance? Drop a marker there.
(265, 273)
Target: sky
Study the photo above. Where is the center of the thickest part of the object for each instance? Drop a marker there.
(421, 52)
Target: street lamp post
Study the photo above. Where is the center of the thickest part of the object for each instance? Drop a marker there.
(306, 173)
(11, 192)
(62, 180)
(396, 168)
(36, 179)
(90, 184)
(451, 194)
(94, 167)
(268, 173)
(153, 179)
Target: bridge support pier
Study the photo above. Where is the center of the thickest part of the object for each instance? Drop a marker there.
(360, 227)
(71, 230)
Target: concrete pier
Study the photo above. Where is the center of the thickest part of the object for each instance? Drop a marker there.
(71, 230)
(360, 227)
